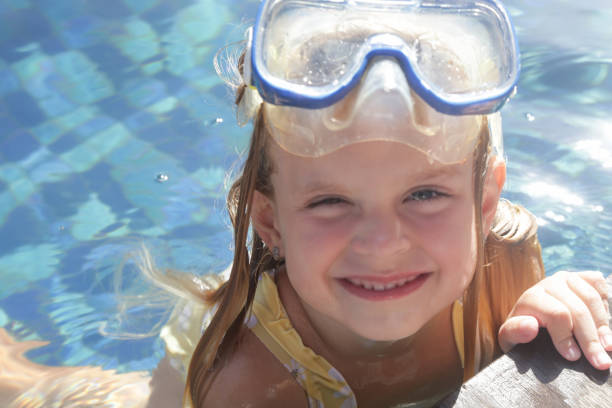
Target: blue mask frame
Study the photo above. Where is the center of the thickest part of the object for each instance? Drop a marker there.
(279, 92)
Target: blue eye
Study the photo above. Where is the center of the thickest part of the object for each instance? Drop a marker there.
(426, 195)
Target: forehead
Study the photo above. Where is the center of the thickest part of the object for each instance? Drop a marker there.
(371, 165)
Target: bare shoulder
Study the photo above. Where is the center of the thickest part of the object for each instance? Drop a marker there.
(253, 377)
(166, 385)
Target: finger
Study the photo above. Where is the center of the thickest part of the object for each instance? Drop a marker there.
(593, 301)
(555, 316)
(599, 282)
(595, 279)
(517, 330)
(584, 329)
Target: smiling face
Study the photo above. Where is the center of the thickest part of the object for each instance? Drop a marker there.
(376, 239)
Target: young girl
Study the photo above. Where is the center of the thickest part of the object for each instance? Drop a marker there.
(384, 270)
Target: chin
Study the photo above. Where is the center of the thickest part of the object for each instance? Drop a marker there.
(388, 333)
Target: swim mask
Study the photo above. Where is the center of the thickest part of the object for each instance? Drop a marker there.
(421, 72)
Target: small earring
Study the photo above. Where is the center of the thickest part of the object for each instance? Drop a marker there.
(276, 253)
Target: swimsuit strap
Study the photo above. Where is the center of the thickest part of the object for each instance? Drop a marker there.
(457, 318)
(323, 384)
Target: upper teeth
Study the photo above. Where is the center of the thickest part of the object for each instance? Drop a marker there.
(380, 286)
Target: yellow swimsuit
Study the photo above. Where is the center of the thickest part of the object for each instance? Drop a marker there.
(323, 384)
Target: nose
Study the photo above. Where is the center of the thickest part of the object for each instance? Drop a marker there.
(381, 233)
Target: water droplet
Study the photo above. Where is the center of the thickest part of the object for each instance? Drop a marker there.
(216, 121)
(530, 117)
(161, 177)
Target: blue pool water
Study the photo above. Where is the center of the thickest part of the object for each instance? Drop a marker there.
(115, 130)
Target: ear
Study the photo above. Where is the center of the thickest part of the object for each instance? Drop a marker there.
(263, 216)
(491, 191)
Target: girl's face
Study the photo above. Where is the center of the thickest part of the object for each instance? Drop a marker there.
(376, 238)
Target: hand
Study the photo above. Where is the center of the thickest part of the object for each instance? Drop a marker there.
(572, 306)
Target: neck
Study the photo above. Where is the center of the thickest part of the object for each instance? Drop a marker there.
(344, 342)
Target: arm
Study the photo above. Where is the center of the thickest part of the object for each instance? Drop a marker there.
(571, 306)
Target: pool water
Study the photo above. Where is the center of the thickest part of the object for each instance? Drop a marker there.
(115, 130)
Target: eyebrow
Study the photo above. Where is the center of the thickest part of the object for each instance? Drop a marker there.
(448, 170)
(319, 185)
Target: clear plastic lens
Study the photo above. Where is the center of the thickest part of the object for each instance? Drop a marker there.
(312, 58)
(321, 61)
(454, 49)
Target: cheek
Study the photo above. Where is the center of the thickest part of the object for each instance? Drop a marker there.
(309, 249)
(315, 249)
(452, 241)
(307, 236)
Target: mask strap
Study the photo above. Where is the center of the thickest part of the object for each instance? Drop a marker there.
(494, 122)
(251, 100)
(247, 67)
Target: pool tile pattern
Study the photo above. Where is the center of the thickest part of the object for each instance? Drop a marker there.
(96, 100)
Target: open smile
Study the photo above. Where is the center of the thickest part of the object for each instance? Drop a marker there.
(383, 289)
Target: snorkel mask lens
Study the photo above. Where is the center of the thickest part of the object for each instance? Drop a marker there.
(312, 53)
